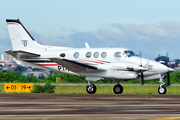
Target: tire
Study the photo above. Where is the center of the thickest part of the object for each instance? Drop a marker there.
(162, 90)
(118, 89)
(92, 90)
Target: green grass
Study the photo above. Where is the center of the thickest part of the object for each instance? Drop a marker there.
(109, 90)
(2, 88)
(81, 89)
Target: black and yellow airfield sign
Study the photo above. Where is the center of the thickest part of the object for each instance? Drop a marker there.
(18, 87)
(58, 79)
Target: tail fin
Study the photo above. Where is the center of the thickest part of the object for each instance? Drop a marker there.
(21, 39)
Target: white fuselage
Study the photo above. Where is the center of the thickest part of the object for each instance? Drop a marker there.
(105, 58)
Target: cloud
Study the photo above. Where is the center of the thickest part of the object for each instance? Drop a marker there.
(162, 30)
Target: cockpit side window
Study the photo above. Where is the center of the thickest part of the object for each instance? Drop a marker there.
(117, 54)
(130, 53)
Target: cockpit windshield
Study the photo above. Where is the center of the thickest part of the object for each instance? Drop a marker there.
(130, 53)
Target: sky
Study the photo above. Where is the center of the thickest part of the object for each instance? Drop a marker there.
(150, 26)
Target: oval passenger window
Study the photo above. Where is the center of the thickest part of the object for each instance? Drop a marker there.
(104, 54)
(88, 54)
(96, 54)
(62, 55)
(76, 54)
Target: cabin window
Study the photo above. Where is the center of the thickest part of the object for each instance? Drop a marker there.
(88, 54)
(117, 54)
(76, 55)
(104, 54)
(62, 55)
(96, 54)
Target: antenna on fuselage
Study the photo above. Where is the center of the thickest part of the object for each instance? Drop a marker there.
(87, 45)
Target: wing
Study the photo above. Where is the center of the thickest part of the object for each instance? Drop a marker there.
(22, 54)
(75, 66)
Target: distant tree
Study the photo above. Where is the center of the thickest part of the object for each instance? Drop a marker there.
(163, 58)
(20, 68)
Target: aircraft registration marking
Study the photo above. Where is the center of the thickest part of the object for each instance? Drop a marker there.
(61, 68)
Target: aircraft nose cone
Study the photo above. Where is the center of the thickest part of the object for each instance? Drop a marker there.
(170, 70)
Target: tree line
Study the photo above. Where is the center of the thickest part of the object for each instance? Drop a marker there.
(15, 77)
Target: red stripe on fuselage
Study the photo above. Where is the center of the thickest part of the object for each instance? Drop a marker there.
(91, 61)
(12, 24)
(48, 64)
(151, 71)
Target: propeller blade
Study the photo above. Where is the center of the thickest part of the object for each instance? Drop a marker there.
(168, 79)
(142, 79)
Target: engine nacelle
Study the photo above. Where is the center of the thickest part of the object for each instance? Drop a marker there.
(125, 75)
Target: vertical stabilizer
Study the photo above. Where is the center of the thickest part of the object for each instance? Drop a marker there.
(21, 39)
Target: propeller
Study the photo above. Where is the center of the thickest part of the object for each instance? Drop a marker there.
(169, 70)
(142, 79)
(142, 75)
(168, 80)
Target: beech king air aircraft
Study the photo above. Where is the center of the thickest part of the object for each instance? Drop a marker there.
(94, 64)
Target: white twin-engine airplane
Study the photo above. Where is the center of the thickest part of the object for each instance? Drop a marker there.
(95, 64)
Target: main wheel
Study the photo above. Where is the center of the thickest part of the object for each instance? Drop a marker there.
(118, 89)
(162, 90)
(91, 89)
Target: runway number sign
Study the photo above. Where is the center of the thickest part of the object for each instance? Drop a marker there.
(18, 87)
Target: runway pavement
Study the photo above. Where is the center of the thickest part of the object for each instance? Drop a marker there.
(85, 106)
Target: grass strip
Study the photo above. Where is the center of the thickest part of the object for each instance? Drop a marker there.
(81, 89)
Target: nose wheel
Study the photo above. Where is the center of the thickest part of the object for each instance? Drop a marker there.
(118, 89)
(162, 90)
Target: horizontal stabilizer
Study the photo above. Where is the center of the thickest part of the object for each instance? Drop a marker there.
(21, 54)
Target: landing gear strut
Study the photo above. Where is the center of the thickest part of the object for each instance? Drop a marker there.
(162, 88)
(91, 88)
(118, 89)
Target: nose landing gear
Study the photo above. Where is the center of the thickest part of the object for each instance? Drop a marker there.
(162, 88)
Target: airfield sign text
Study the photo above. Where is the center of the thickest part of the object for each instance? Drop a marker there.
(18, 87)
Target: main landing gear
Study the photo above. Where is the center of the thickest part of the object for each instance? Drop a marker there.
(162, 88)
(118, 89)
(91, 88)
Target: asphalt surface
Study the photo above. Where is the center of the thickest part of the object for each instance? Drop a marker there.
(89, 107)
